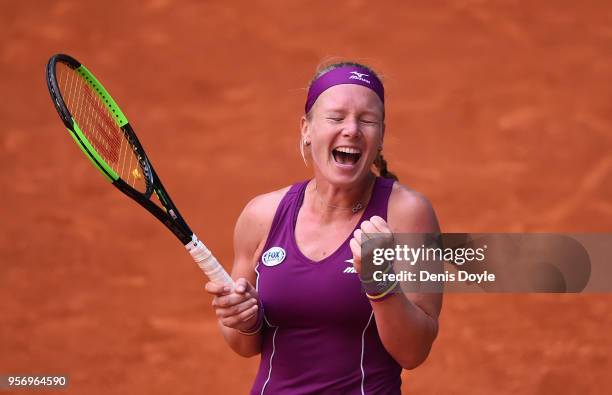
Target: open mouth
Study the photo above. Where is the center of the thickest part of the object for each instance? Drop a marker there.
(346, 155)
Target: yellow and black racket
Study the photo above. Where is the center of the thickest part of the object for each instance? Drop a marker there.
(104, 134)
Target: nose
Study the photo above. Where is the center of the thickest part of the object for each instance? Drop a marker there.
(350, 128)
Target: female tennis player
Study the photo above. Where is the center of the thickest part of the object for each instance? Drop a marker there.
(298, 299)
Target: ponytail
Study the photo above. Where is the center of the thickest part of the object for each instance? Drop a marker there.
(381, 165)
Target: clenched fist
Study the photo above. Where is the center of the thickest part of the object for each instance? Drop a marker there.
(375, 229)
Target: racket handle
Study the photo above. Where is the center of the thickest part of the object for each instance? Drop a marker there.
(207, 262)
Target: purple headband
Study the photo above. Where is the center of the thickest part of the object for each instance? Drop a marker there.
(344, 75)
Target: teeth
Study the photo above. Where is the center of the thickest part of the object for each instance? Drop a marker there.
(348, 150)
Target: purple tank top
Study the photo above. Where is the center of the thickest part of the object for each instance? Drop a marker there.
(320, 333)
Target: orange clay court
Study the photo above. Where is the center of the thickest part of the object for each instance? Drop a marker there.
(499, 112)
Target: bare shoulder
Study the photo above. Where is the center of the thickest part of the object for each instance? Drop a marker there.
(255, 221)
(410, 211)
(261, 208)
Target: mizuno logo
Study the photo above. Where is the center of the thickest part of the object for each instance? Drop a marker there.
(359, 76)
(350, 269)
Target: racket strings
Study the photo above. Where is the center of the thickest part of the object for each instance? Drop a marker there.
(99, 127)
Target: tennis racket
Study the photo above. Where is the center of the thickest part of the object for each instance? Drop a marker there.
(103, 133)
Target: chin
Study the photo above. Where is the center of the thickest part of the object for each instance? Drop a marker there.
(346, 178)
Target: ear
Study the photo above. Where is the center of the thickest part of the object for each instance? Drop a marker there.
(305, 128)
(382, 137)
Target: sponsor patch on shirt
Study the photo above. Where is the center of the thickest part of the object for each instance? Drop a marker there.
(274, 256)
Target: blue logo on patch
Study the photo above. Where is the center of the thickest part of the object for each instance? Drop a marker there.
(274, 256)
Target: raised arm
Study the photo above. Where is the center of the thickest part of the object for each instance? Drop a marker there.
(239, 312)
(407, 323)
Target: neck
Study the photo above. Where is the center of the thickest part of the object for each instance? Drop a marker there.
(335, 200)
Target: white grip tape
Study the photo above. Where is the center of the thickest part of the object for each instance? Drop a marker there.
(207, 262)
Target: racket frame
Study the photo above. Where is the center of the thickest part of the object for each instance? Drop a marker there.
(169, 214)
